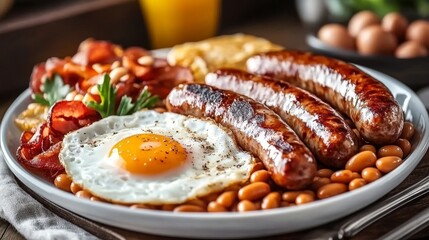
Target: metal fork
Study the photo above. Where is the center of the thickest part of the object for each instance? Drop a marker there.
(363, 219)
(409, 228)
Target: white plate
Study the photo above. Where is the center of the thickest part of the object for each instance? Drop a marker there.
(227, 225)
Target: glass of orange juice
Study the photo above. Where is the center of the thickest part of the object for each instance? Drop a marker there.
(171, 22)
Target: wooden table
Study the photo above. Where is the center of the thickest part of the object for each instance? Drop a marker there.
(287, 31)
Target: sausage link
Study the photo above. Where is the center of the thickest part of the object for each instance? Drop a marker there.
(318, 125)
(256, 128)
(370, 105)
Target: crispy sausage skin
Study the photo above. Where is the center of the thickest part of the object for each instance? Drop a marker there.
(319, 126)
(256, 128)
(368, 103)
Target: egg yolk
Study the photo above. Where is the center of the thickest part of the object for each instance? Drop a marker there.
(149, 154)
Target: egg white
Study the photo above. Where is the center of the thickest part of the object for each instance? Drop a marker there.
(214, 161)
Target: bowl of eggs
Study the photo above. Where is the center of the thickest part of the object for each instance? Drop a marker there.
(393, 44)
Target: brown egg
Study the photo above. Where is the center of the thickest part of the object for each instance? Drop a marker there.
(362, 20)
(411, 49)
(395, 23)
(336, 35)
(373, 40)
(419, 31)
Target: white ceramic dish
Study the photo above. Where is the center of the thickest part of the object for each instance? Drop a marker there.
(227, 225)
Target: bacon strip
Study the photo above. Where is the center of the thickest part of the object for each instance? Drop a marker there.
(40, 149)
(91, 51)
(67, 116)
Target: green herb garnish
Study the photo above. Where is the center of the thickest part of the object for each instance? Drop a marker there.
(53, 89)
(108, 97)
(107, 105)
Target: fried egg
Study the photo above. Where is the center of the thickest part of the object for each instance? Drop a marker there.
(153, 158)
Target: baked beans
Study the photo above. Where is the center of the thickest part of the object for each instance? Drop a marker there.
(188, 208)
(331, 189)
(168, 207)
(260, 176)
(211, 197)
(74, 188)
(319, 182)
(140, 206)
(227, 199)
(390, 150)
(83, 194)
(370, 174)
(324, 173)
(342, 176)
(304, 198)
(197, 202)
(405, 145)
(215, 207)
(368, 165)
(96, 199)
(388, 164)
(360, 161)
(245, 205)
(272, 200)
(290, 196)
(356, 175)
(407, 131)
(254, 191)
(356, 183)
(63, 182)
(368, 147)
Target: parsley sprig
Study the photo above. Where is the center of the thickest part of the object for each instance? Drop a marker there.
(53, 89)
(107, 105)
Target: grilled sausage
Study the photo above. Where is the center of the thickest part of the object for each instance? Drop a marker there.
(256, 128)
(319, 126)
(368, 103)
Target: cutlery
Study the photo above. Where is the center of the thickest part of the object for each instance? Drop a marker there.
(363, 219)
(409, 228)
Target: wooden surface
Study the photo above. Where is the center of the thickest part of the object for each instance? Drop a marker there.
(31, 37)
(285, 30)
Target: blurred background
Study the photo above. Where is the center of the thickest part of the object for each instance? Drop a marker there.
(33, 30)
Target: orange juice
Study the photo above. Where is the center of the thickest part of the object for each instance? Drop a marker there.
(171, 22)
